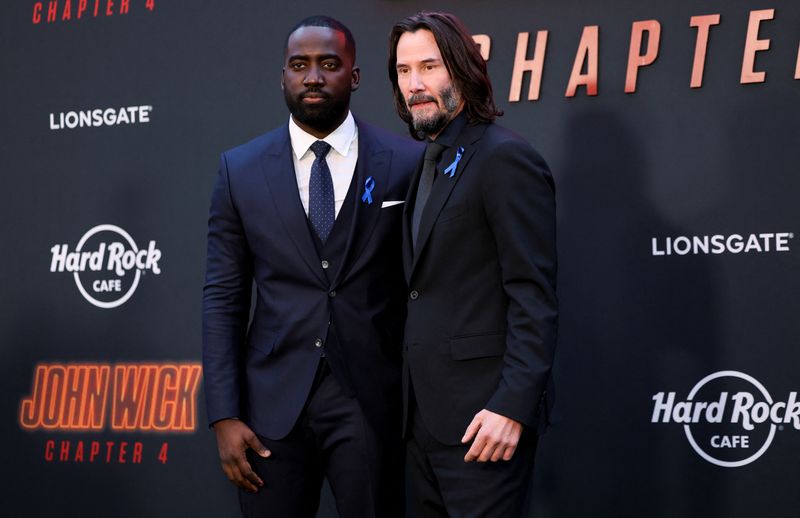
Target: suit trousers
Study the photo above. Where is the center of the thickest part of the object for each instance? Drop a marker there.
(332, 439)
(441, 484)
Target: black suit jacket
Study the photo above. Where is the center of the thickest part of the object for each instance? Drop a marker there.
(482, 309)
(258, 235)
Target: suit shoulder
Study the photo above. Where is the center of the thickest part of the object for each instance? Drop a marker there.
(501, 140)
(250, 151)
(500, 135)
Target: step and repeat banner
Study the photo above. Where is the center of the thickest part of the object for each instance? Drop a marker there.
(672, 129)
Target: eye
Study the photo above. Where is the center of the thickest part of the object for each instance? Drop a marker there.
(330, 65)
(429, 66)
(401, 71)
(297, 65)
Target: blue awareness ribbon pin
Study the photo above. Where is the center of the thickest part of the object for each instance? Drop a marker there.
(369, 186)
(452, 167)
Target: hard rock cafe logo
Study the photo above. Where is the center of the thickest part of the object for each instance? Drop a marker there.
(106, 264)
(729, 417)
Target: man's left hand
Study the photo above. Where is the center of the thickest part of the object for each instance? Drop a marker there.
(496, 437)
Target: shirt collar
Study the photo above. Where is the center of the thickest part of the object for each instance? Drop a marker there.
(451, 132)
(339, 139)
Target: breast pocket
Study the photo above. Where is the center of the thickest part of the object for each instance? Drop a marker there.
(452, 212)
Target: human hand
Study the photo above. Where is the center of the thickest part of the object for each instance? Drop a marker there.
(233, 439)
(496, 437)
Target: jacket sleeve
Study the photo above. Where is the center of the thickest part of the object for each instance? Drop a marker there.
(519, 197)
(226, 302)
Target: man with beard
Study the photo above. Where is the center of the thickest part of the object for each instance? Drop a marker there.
(480, 261)
(310, 215)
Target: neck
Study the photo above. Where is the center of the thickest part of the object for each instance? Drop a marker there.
(320, 131)
(455, 114)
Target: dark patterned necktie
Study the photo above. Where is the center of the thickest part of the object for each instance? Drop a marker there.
(432, 153)
(321, 208)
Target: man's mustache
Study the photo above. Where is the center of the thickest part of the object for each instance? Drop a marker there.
(314, 92)
(420, 98)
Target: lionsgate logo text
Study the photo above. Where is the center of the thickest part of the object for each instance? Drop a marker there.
(729, 418)
(722, 244)
(100, 117)
(106, 264)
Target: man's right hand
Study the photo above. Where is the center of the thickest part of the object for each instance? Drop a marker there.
(233, 439)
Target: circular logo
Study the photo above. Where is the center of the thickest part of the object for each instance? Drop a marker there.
(112, 287)
(728, 423)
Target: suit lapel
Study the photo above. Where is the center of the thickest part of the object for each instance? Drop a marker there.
(408, 252)
(278, 169)
(373, 161)
(444, 185)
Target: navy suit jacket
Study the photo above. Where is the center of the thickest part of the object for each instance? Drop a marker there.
(258, 235)
(482, 312)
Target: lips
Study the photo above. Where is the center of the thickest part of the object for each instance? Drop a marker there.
(420, 101)
(313, 97)
(422, 104)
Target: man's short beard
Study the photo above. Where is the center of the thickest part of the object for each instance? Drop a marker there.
(324, 118)
(432, 125)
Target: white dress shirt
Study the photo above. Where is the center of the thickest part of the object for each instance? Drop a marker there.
(341, 158)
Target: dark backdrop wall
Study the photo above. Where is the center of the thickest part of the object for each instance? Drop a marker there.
(677, 208)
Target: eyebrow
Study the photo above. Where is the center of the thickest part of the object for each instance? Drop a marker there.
(423, 61)
(321, 57)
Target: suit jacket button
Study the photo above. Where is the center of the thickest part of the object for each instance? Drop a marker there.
(414, 295)
(325, 265)
(332, 293)
(318, 342)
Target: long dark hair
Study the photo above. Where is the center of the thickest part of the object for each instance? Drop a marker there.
(462, 58)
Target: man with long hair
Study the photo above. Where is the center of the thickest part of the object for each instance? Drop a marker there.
(480, 261)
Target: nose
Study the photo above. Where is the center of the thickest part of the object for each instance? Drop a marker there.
(314, 76)
(415, 84)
